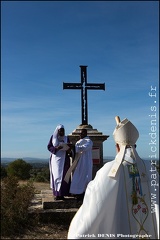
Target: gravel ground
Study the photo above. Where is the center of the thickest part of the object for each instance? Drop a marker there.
(44, 231)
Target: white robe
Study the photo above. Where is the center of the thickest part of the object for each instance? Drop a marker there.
(83, 172)
(107, 210)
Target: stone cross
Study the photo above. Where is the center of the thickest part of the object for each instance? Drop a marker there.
(84, 86)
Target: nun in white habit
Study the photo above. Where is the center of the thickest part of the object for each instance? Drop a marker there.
(59, 162)
(123, 199)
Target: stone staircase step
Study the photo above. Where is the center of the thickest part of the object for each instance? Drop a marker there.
(64, 216)
(50, 210)
(68, 203)
(48, 201)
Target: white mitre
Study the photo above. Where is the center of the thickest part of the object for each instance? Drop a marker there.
(125, 133)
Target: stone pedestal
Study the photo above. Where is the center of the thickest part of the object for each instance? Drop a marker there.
(97, 138)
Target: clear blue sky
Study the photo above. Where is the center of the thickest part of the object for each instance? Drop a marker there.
(43, 43)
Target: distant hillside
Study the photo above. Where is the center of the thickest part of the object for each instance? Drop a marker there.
(27, 159)
(43, 160)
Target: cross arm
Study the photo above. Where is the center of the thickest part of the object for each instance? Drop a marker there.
(72, 86)
(95, 86)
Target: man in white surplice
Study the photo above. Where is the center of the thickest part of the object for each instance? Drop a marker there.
(83, 172)
(123, 199)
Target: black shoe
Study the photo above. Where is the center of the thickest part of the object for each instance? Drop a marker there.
(59, 198)
(56, 198)
(62, 198)
(80, 197)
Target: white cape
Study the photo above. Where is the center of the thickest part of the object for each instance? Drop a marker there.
(107, 210)
(83, 172)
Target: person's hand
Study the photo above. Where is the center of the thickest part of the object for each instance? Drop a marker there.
(70, 145)
(59, 147)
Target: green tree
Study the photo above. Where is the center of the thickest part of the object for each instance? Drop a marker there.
(40, 174)
(3, 172)
(20, 169)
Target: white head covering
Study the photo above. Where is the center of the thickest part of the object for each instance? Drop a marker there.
(55, 139)
(125, 134)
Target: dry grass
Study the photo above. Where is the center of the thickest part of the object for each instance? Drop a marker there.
(38, 186)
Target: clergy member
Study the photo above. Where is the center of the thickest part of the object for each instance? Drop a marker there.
(83, 172)
(59, 162)
(123, 199)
